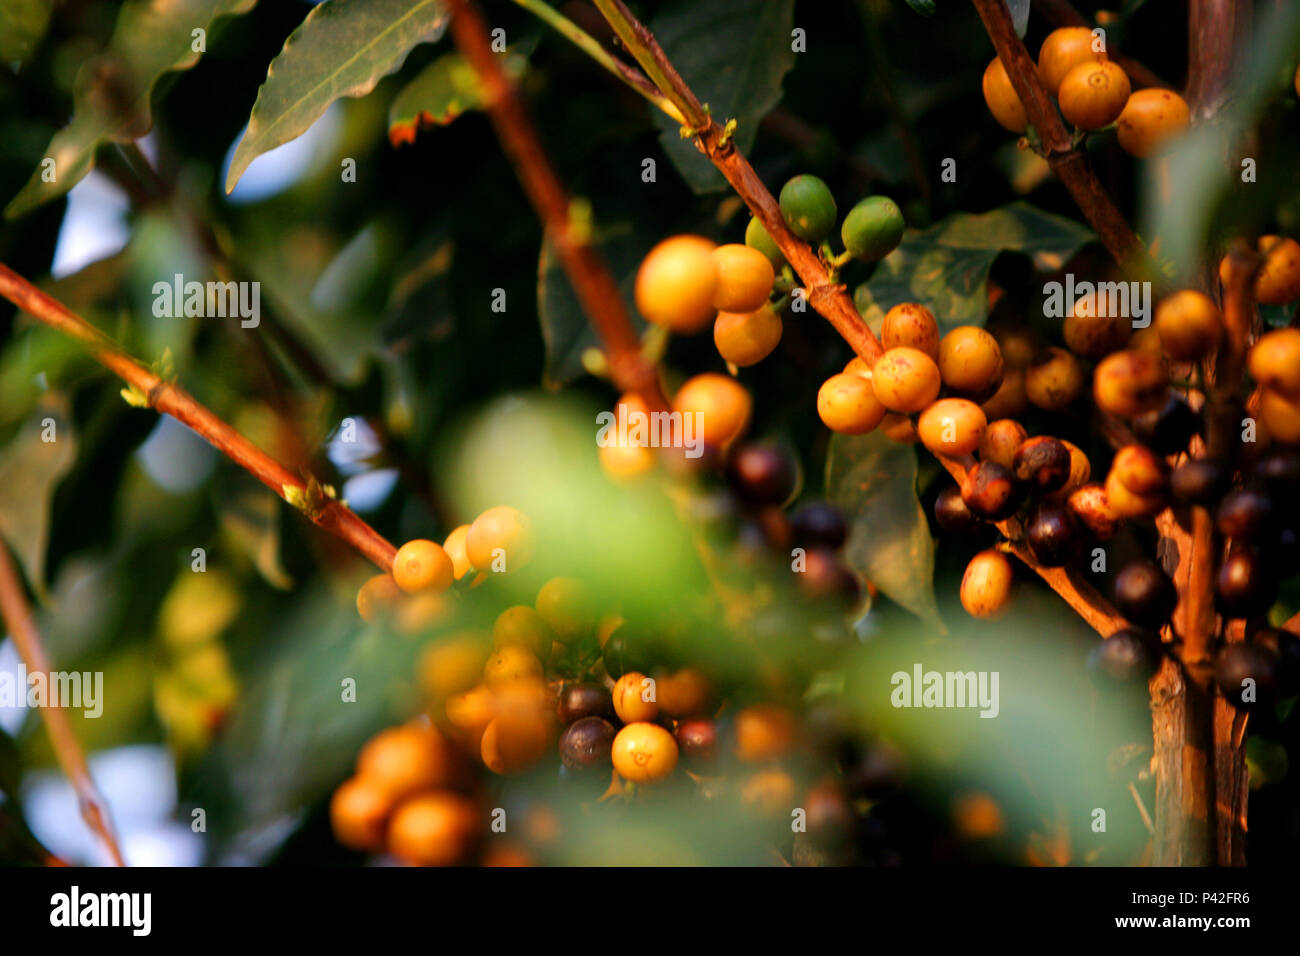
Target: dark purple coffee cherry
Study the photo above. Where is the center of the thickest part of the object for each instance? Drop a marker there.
(991, 491)
(825, 576)
(1278, 471)
(1246, 515)
(1128, 656)
(586, 744)
(1042, 463)
(1199, 481)
(1247, 675)
(584, 699)
(1168, 429)
(819, 525)
(1284, 646)
(1053, 535)
(951, 513)
(1246, 586)
(697, 739)
(1144, 594)
(763, 474)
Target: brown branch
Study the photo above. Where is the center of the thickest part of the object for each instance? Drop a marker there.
(829, 298)
(1061, 13)
(18, 620)
(170, 399)
(1212, 30)
(1068, 160)
(582, 262)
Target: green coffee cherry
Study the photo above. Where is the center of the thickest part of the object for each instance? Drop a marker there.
(873, 228)
(808, 208)
(756, 237)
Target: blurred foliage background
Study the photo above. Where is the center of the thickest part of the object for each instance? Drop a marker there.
(221, 689)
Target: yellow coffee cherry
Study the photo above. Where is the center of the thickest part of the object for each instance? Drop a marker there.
(515, 741)
(1002, 100)
(453, 665)
(422, 565)
(1054, 379)
(434, 829)
(857, 366)
(1010, 399)
(970, 360)
(1063, 50)
(952, 427)
(1140, 470)
(1096, 326)
(501, 534)
(1126, 504)
(684, 693)
(567, 605)
(910, 325)
(1189, 324)
(1274, 361)
(721, 406)
(905, 380)
(986, 585)
(471, 710)
(511, 663)
(644, 753)
(676, 284)
(744, 278)
(1090, 504)
(455, 548)
(1280, 414)
(1000, 441)
(624, 463)
(421, 611)
(359, 812)
(1151, 118)
(771, 793)
(746, 338)
(522, 626)
(1092, 95)
(407, 759)
(847, 403)
(1130, 382)
(899, 428)
(379, 596)
(763, 732)
(1278, 281)
(630, 698)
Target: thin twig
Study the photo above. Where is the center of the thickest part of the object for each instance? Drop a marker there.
(582, 262)
(170, 399)
(1142, 809)
(22, 628)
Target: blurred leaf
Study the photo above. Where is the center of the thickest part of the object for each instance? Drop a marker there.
(925, 8)
(946, 267)
(873, 480)
(22, 24)
(342, 48)
(442, 91)
(566, 329)
(199, 606)
(250, 519)
(734, 56)
(31, 467)
(111, 98)
(1019, 10)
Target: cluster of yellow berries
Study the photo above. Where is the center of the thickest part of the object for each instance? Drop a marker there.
(1092, 91)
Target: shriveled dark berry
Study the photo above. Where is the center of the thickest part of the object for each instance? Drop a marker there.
(1042, 463)
(991, 491)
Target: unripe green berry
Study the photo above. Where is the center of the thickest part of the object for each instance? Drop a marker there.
(873, 228)
(808, 207)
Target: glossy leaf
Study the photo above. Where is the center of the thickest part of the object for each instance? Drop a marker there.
(442, 91)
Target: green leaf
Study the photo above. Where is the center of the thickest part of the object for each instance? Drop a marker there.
(31, 467)
(925, 8)
(946, 267)
(873, 480)
(342, 48)
(442, 91)
(112, 91)
(566, 331)
(22, 24)
(734, 55)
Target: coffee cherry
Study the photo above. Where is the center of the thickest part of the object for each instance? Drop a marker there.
(502, 533)
(587, 743)
(630, 693)
(1128, 504)
(456, 550)
(684, 693)
(676, 283)
(1010, 399)
(697, 740)
(829, 816)
(720, 404)
(1062, 51)
(1053, 380)
(1199, 481)
(899, 428)
(406, 759)
(970, 361)
(511, 663)
(1080, 472)
(1043, 463)
(522, 626)
(764, 474)
(1145, 594)
(434, 829)
(1018, 345)
(1090, 505)
(1128, 656)
(951, 513)
(1280, 415)
(763, 732)
(581, 699)
(1052, 535)
(359, 812)
(1151, 118)
(1246, 585)
(1275, 361)
(378, 597)
(746, 338)
(1246, 515)
(819, 525)
(808, 208)
(824, 576)
(1247, 675)
(1000, 441)
(1278, 281)
(1168, 429)
(644, 753)
(1096, 326)
(422, 565)
(1002, 100)
(757, 237)
(910, 325)
(452, 666)
(991, 492)
(952, 426)
(1092, 95)
(626, 650)
(905, 380)
(1129, 383)
(872, 229)
(744, 278)
(847, 403)
(768, 793)
(1279, 472)
(515, 742)
(1189, 324)
(1285, 647)
(1141, 471)
(986, 585)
